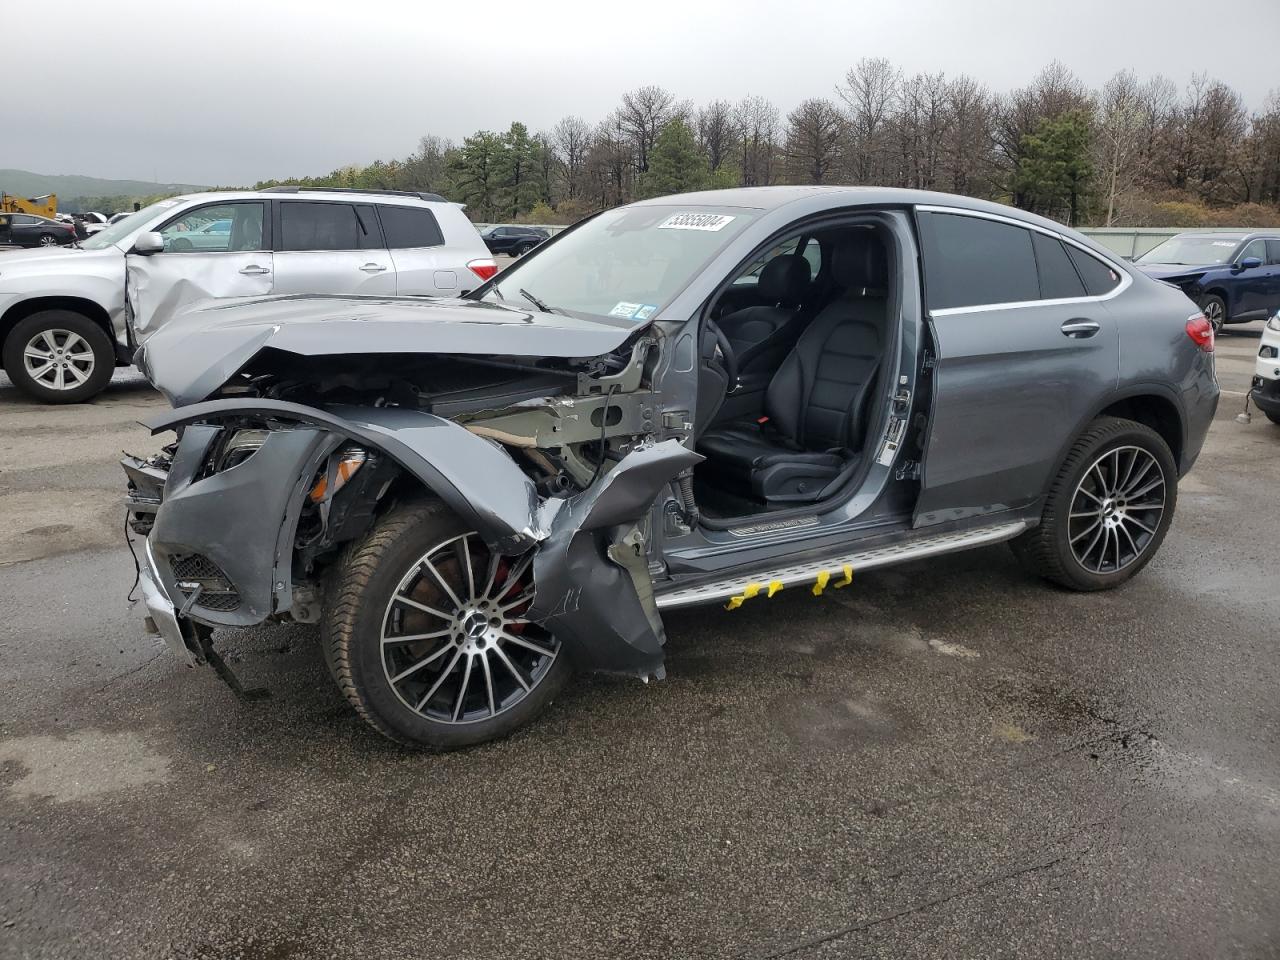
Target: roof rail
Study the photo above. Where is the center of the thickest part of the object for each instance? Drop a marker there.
(293, 188)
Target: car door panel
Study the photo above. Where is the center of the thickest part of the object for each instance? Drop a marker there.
(319, 251)
(161, 284)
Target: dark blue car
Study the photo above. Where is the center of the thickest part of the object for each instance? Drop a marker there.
(1234, 277)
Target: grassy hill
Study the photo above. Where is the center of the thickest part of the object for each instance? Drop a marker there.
(23, 183)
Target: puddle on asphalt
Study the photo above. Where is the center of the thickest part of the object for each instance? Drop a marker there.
(81, 766)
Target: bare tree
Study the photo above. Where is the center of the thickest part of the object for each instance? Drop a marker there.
(571, 139)
(757, 122)
(815, 141)
(968, 138)
(1118, 132)
(870, 92)
(921, 121)
(644, 112)
(717, 132)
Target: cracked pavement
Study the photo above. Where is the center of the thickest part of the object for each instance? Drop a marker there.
(944, 759)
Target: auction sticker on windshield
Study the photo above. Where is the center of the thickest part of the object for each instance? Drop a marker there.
(695, 221)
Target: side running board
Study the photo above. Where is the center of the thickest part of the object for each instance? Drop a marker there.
(836, 568)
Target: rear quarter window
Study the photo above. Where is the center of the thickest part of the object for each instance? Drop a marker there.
(1058, 277)
(407, 227)
(971, 261)
(1098, 277)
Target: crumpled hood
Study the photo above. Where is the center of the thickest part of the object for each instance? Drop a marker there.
(203, 347)
(1174, 272)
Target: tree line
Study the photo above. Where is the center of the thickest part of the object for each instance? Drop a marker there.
(1137, 151)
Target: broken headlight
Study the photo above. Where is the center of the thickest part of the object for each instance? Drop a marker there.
(241, 445)
(342, 466)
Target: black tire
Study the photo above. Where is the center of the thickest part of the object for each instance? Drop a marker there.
(1273, 417)
(48, 240)
(357, 601)
(1047, 550)
(99, 343)
(524, 248)
(1215, 310)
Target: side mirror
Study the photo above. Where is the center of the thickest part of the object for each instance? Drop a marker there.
(1249, 263)
(148, 243)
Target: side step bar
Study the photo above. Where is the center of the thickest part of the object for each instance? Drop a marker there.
(810, 571)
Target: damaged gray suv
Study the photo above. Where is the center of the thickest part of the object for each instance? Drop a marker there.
(696, 399)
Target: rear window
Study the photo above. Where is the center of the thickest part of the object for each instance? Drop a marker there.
(971, 261)
(410, 227)
(1058, 278)
(1097, 276)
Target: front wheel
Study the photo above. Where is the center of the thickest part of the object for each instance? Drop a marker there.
(59, 356)
(1214, 309)
(1108, 510)
(425, 632)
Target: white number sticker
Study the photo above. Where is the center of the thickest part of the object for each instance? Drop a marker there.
(695, 221)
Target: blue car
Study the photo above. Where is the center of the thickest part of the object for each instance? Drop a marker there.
(1234, 277)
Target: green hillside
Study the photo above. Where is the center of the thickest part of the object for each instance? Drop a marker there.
(23, 183)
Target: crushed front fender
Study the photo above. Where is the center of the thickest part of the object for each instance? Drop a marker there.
(592, 587)
(472, 475)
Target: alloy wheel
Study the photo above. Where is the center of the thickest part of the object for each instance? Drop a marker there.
(58, 359)
(1116, 509)
(48, 241)
(1213, 312)
(456, 647)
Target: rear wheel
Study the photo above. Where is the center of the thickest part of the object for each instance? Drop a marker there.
(48, 240)
(1273, 417)
(426, 635)
(1108, 510)
(59, 356)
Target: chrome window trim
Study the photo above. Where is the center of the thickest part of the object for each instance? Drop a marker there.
(1126, 278)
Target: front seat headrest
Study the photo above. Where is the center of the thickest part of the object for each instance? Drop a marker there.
(783, 279)
(858, 263)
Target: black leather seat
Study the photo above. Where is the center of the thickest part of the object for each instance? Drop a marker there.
(765, 333)
(819, 400)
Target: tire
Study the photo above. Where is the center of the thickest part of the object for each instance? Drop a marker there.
(47, 240)
(1215, 310)
(426, 693)
(78, 374)
(1273, 417)
(1108, 456)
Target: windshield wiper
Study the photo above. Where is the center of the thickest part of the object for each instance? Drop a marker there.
(535, 301)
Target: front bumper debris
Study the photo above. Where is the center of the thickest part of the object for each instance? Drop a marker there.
(162, 616)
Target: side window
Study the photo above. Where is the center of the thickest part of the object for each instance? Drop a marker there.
(1273, 252)
(1098, 277)
(1058, 278)
(307, 225)
(24, 220)
(408, 227)
(218, 228)
(971, 261)
(1255, 248)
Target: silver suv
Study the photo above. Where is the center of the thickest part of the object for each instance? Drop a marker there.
(69, 315)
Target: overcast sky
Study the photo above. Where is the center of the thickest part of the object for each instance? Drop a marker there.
(230, 92)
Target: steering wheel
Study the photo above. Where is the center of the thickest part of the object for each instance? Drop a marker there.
(727, 358)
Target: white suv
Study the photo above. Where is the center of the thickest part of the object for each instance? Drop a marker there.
(69, 315)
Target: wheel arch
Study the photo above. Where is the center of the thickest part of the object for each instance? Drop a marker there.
(87, 308)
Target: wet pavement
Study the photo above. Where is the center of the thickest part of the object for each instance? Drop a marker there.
(945, 759)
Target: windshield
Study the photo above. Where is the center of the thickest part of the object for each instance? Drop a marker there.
(624, 265)
(121, 229)
(1192, 251)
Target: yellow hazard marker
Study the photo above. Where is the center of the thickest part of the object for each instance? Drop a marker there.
(821, 583)
(749, 591)
(848, 578)
(774, 587)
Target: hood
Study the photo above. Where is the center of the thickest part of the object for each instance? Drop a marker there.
(49, 259)
(1177, 271)
(199, 350)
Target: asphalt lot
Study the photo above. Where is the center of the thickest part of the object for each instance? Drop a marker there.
(947, 759)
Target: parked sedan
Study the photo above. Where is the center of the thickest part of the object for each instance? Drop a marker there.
(29, 230)
(1234, 277)
(476, 496)
(515, 241)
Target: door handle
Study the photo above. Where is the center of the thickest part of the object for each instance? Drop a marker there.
(373, 268)
(253, 270)
(1080, 328)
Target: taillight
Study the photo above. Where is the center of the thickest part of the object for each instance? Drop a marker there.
(485, 269)
(1200, 330)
